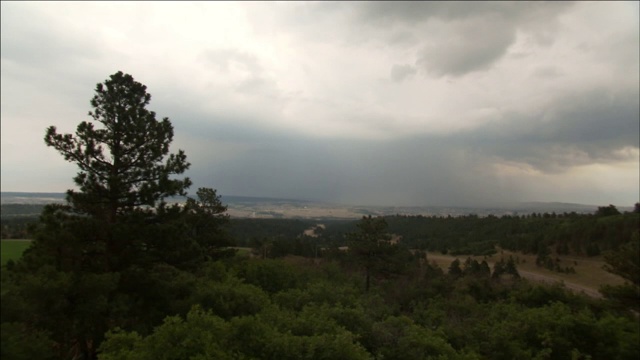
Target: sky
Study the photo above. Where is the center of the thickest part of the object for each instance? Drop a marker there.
(363, 103)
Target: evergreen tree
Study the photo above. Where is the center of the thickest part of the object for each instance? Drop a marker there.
(510, 268)
(125, 165)
(498, 269)
(607, 211)
(124, 161)
(370, 246)
(454, 268)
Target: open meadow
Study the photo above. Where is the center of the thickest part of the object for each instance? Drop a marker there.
(13, 249)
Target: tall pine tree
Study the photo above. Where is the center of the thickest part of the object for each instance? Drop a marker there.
(124, 161)
(125, 165)
(370, 246)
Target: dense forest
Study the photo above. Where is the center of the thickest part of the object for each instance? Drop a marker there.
(117, 273)
(542, 234)
(295, 307)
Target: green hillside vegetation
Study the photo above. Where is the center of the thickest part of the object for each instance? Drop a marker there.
(118, 273)
(13, 249)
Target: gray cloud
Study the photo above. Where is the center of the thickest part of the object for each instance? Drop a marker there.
(393, 12)
(43, 41)
(450, 38)
(401, 72)
(397, 13)
(227, 58)
(548, 72)
(479, 32)
(470, 46)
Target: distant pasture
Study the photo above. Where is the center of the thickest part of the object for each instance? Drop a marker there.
(13, 249)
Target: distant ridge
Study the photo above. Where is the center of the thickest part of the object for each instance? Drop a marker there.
(30, 197)
(33, 194)
(16, 197)
(255, 206)
(551, 205)
(555, 203)
(237, 198)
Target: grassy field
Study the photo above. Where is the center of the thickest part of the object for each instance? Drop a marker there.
(589, 271)
(12, 249)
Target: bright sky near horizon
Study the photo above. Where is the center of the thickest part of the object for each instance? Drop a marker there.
(371, 103)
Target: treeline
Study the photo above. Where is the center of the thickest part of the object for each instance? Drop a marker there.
(542, 234)
(568, 233)
(21, 210)
(538, 233)
(18, 227)
(18, 220)
(246, 232)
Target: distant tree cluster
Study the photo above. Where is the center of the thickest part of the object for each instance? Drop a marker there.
(18, 220)
(18, 227)
(569, 233)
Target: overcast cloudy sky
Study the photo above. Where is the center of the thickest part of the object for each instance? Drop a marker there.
(370, 103)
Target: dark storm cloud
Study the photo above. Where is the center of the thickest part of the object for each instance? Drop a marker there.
(593, 126)
(423, 169)
(418, 171)
(263, 161)
(232, 126)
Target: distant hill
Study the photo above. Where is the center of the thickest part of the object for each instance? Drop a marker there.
(558, 207)
(8, 197)
(254, 199)
(30, 198)
(263, 207)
